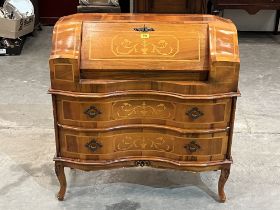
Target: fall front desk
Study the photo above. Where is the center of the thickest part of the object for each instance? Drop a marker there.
(144, 90)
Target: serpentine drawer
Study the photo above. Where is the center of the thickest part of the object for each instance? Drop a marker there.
(139, 142)
(123, 110)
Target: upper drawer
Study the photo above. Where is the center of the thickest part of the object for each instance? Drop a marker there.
(141, 109)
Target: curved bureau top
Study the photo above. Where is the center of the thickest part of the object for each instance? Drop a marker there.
(223, 40)
(217, 50)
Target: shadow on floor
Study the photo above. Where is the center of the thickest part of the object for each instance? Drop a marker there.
(149, 177)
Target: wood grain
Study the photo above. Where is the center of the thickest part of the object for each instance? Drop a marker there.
(179, 44)
(137, 142)
(170, 111)
(162, 98)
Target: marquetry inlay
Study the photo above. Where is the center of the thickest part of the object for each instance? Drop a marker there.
(64, 72)
(138, 141)
(139, 108)
(155, 45)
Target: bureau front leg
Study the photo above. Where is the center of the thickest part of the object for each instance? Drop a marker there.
(59, 170)
(222, 181)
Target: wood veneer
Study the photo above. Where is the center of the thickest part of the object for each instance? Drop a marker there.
(161, 98)
(123, 110)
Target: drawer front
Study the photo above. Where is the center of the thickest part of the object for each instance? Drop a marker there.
(110, 112)
(146, 142)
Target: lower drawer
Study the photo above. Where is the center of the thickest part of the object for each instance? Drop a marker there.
(139, 142)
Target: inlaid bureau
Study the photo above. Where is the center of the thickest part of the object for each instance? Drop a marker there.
(144, 90)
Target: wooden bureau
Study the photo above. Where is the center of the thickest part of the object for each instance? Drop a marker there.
(144, 90)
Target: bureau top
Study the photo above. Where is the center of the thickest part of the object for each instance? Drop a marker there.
(145, 41)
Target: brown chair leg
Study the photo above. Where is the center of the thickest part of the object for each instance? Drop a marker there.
(277, 22)
(59, 170)
(222, 181)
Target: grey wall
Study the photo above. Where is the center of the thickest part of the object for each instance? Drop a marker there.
(264, 20)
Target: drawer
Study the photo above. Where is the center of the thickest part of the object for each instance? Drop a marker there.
(160, 110)
(139, 142)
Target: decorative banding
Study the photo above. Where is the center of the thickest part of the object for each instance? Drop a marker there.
(152, 93)
(152, 126)
(155, 159)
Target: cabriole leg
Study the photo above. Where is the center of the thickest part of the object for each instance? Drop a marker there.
(222, 181)
(59, 170)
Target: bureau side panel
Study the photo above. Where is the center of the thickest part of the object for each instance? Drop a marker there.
(55, 125)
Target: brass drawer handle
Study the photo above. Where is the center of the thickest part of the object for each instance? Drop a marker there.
(192, 147)
(194, 113)
(93, 145)
(92, 112)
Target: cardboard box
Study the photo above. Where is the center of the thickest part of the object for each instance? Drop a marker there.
(10, 28)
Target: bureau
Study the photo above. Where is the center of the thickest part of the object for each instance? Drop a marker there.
(144, 90)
